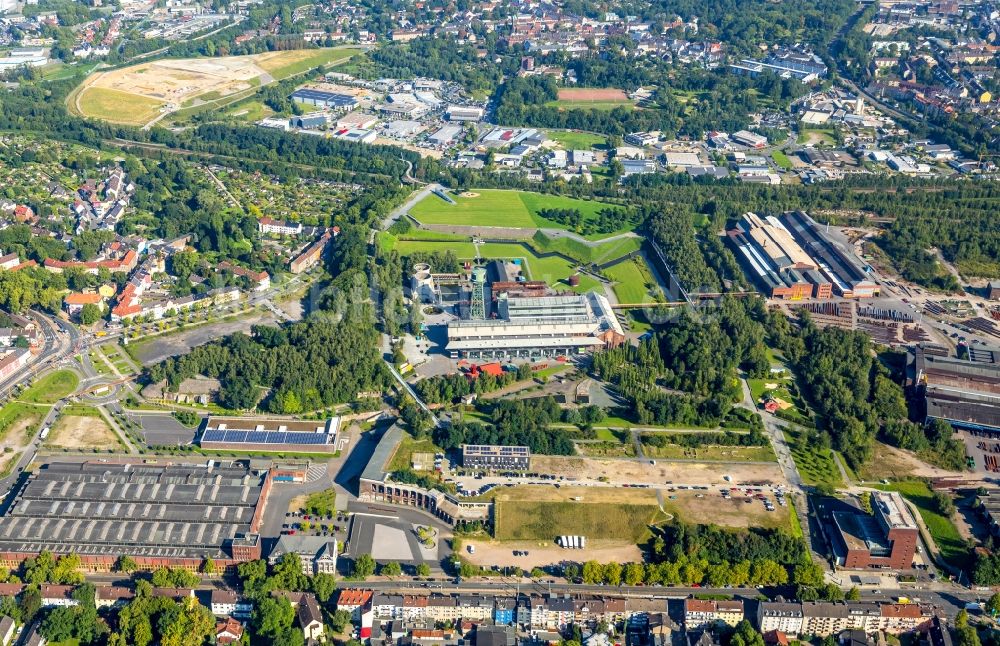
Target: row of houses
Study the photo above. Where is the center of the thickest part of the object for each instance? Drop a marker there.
(557, 611)
(830, 618)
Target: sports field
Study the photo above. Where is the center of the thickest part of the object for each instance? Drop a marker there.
(591, 98)
(138, 94)
(542, 513)
(575, 140)
(497, 208)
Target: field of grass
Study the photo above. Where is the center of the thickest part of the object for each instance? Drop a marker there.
(251, 110)
(721, 453)
(944, 532)
(573, 104)
(99, 365)
(21, 418)
(633, 282)
(51, 388)
(606, 449)
(576, 140)
(796, 413)
(281, 65)
(781, 159)
(463, 250)
(553, 270)
(583, 252)
(61, 71)
(321, 503)
(401, 459)
(118, 107)
(815, 465)
(542, 513)
(498, 208)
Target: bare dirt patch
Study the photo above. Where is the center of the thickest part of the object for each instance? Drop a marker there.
(591, 94)
(543, 553)
(147, 88)
(712, 509)
(642, 472)
(82, 432)
(898, 464)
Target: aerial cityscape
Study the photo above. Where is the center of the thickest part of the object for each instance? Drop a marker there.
(500, 322)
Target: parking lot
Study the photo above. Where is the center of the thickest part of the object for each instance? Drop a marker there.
(161, 429)
(389, 539)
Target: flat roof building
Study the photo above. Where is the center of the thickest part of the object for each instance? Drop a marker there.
(543, 326)
(496, 458)
(464, 113)
(257, 433)
(160, 515)
(322, 99)
(964, 393)
(887, 539)
(775, 260)
(849, 278)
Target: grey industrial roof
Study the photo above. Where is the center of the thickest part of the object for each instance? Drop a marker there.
(331, 98)
(376, 468)
(104, 508)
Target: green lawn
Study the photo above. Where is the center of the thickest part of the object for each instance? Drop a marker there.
(781, 159)
(721, 453)
(497, 208)
(401, 459)
(51, 388)
(22, 418)
(525, 513)
(289, 63)
(575, 104)
(942, 529)
(251, 110)
(598, 253)
(576, 140)
(322, 503)
(463, 250)
(633, 282)
(815, 465)
(553, 270)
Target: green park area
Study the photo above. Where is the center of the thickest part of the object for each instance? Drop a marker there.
(815, 464)
(18, 417)
(402, 459)
(51, 388)
(576, 140)
(781, 159)
(321, 503)
(634, 283)
(554, 270)
(950, 543)
(289, 63)
(602, 513)
(711, 452)
(500, 208)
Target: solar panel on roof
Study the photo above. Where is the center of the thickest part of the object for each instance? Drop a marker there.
(266, 437)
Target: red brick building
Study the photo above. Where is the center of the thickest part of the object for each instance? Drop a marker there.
(887, 539)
